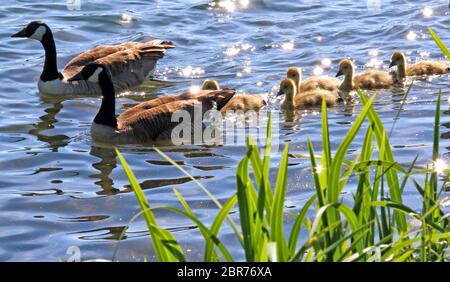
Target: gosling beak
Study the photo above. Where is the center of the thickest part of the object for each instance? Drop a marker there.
(391, 64)
(21, 33)
(280, 93)
(339, 73)
(76, 77)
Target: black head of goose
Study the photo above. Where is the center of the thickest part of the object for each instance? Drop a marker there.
(41, 32)
(129, 63)
(148, 121)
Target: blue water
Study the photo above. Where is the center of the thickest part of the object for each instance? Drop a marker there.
(59, 191)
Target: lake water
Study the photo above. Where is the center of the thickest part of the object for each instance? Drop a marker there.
(59, 191)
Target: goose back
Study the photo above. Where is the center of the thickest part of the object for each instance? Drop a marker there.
(221, 97)
(428, 68)
(129, 63)
(373, 79)
(320, 82)
(155, 123)
(314, 98)
(244, 102)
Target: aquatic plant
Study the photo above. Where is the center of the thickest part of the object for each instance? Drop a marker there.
(377, 226)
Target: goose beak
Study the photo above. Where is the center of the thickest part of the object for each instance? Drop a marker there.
(76, 77)
(339, 73)
(21, 33)
(280, 93)
(391, 64)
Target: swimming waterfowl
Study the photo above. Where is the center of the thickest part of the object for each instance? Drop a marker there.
(369, 79)
(242, 102)
(148, 121)
(418, 69)
(129, 63)
(210, 84)
(312, 98)
(312, 83)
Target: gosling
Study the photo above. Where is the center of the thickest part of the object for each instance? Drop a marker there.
(241, 102)
(369, 79)
(312, 83)
(312, 98)
(421, 68)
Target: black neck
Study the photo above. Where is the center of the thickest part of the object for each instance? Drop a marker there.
(50, 71)
(107, 113)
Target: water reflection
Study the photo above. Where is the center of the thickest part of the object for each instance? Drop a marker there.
(105, 166)
(53, 107)
(79, 189)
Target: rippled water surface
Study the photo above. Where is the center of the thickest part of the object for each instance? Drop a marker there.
(59, 190)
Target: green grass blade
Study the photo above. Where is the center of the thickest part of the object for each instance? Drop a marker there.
(391, 175)
(211, 196)
(326, 154)
(295, 231)
(335, 175)
(439, 43)
(215, 228)
(165, 250)
(208, 234)
(242, 182)
(276, 222)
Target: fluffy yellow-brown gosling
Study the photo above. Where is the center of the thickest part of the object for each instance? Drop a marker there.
(312, 98)
(369, 79)
(312, 83)
(210, 84)
(420, 68)
(242, 102)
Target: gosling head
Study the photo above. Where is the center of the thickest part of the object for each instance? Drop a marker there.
(210, 84)
(397, 59)
(91, 72)
(295, 74)
(346, 68)
(34, 30)
(287, 87)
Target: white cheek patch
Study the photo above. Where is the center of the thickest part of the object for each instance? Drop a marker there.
(39, 33)
(94, 77)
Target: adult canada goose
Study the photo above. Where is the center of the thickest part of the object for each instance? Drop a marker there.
(148, 121)
(313, 98)
(420, 68)
(369, 79)
(242, 102)
(129, 63)
(312, 83)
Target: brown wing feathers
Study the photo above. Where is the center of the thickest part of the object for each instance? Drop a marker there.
(149, 124)
(219, 96)
(128, 56)
(149, 119)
